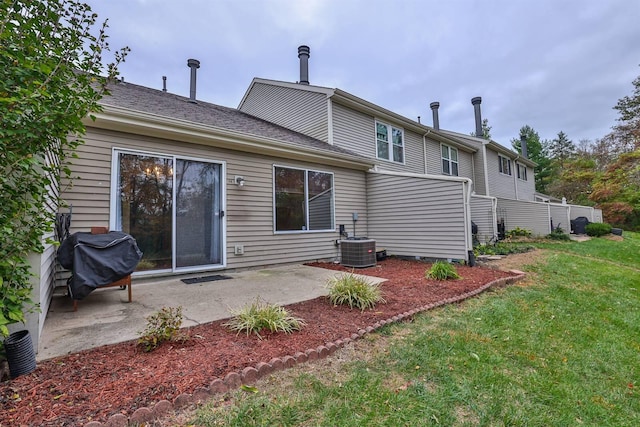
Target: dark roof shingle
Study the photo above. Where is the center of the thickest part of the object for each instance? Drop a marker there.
(144, 99)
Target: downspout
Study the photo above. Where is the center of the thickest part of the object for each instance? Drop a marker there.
(494, 217)
(424, 149)
(486, 170)
(329, 120)
(467, 222)
(515, 176)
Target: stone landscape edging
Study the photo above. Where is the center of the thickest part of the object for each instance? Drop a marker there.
(234, 380)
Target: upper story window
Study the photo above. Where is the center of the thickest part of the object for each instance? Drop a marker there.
(522, 171)
(303, 200)
(449, 160)
(504, 164)
(389, 143)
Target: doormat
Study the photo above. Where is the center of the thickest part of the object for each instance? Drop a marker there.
(203, 279)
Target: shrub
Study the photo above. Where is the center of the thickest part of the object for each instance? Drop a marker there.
(518, 232)
(441, 270)
(597, 229)
(558, 234)
(262, 315)
(354, 291)
(161, 326)
(502, 248)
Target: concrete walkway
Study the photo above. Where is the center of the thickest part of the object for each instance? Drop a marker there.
(106, 316)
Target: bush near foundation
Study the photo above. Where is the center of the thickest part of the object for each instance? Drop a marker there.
(597, 229)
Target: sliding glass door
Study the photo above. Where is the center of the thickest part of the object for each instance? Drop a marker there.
(198, 214)
(173, 208)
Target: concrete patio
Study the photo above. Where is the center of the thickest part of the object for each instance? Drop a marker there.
(106, 316)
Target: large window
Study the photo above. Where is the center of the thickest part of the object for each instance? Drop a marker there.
(449, 160)
(303, 200)
(172, 206)
(522, 172)
(504, 165)
(389, 143)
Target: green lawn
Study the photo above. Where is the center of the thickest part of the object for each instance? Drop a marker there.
(562, 351)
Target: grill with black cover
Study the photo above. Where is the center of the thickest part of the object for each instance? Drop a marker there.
(97, 260)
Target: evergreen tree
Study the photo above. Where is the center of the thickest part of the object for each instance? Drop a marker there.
(561, 149)
(538, 152)
(627, 132)
(486, 130)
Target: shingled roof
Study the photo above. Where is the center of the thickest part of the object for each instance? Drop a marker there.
(143, 99)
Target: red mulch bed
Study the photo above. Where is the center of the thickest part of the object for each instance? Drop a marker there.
(95, 384)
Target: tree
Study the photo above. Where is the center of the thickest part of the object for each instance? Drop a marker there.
(627, 132)
(51, 77)
(617, 192)
(538, 152)
(486, 130)
(575, 180)
(561, 149)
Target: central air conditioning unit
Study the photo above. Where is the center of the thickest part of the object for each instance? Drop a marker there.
(359, 253)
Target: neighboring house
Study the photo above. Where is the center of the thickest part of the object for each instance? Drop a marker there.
(395, 143)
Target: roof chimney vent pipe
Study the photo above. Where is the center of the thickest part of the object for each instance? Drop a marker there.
(523, 146)
(194, 64)
(476, 107)
(434, 108)
(164, 83)
(303, 54)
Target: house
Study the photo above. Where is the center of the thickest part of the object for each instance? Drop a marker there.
(281, 179)
(204, 187)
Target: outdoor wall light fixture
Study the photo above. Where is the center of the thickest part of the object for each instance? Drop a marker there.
(239, 181)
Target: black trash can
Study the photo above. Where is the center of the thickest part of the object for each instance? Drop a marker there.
(20, 353)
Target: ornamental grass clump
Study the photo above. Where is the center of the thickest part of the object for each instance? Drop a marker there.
(441, 270)
(260, 316)
(354, 291)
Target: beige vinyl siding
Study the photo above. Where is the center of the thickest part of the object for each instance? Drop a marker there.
(479, 184)
(353, 131)
(249, 209)
(532, 216)
(500, 185)
(526, 189)
(299, 110)
(597, 215)
(356, 131)
(465, 164)
(560, 216)
(434, 157)
(483, 214)
(586, 211)
(417, 216)
(434, 160)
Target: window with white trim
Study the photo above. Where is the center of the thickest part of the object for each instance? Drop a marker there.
(504, 165)
(449, 160)
(522, 172)
(389, 143)
(303, 200)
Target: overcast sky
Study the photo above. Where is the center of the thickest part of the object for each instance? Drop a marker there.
(556, 65)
